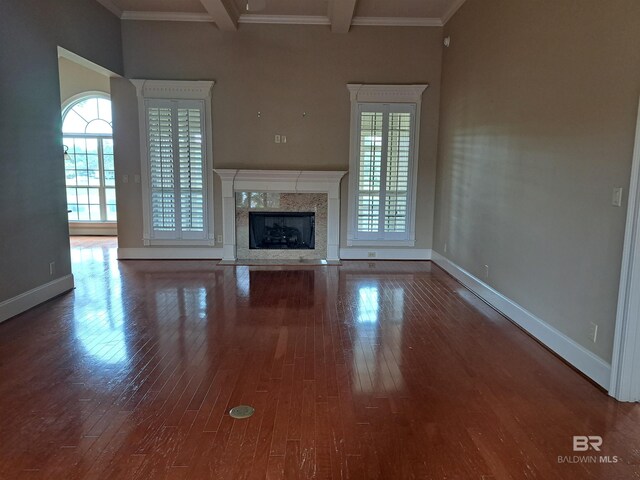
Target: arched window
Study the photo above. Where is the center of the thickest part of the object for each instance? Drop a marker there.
(88, 159)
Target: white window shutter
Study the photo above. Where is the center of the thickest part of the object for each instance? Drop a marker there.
(162, 179)
(384, 167)
(177, 169)
(191, 164)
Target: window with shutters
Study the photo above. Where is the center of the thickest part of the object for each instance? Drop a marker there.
(383, 165)
(176, 162)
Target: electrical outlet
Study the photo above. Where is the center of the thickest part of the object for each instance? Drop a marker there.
(277, 139)
(219, 238)
(593, 332)
(372, 265)
(616, 197)
(486, 271)
(52, 268)
(125, 179)
(371, 254)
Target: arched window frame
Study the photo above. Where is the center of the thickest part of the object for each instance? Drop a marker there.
(89, 208)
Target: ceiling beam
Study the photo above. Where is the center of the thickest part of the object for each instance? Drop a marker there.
(341, 14)
(224, 13)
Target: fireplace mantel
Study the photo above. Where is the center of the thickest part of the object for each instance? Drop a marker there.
(280, 181)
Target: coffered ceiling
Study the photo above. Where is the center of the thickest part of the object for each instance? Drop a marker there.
(339, 14)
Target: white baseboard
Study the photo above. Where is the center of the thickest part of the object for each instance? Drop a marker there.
(89, 228)
(385, 253)
(160, 253)
(587, 362)
(23, 302)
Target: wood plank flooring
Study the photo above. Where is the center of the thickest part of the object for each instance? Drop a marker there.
(385, 370)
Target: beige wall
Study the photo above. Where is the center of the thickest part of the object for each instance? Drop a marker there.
(538, 113)
(281, 71)
(33, 207)
(76, 79)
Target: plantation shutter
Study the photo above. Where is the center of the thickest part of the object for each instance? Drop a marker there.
(385, 155)
(177, 176)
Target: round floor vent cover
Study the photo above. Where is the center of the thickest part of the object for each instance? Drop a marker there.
(241, 411)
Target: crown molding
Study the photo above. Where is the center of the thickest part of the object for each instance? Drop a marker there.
(183, 89)
(112, 7)
(452, 10)
(167, 16)
(284, 19)
(396, 22)
(386, 93)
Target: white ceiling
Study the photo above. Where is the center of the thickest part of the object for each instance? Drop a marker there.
(402, 10)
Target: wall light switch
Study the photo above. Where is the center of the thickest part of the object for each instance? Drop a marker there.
(616, 197)
(284, 139)
(136, 178)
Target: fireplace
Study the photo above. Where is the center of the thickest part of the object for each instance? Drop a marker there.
(275, 192)
(282, 230)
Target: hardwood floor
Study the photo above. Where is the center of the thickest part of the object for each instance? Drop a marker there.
(387, 370)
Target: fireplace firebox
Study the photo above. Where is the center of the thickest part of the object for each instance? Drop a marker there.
(282, 230)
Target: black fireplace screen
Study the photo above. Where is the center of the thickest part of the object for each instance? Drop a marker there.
(282, 230)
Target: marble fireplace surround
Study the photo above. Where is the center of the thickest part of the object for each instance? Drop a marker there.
(280, 181)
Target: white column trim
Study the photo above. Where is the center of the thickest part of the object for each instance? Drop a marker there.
(625, 365)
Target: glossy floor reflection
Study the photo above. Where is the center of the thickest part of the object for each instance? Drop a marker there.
(370, 370)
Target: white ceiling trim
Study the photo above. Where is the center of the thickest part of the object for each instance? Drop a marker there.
(285, 19)
(112, 7)
(250, 18)
(454, 8)
(167, 16)
(397, 22)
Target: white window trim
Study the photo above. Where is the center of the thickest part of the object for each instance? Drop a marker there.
(175, 90)
(361, 93)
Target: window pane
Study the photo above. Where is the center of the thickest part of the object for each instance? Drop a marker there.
(94, 177)
(83, 212)
(98, 126)
(104, 109)
(109, 178)
(91, 145)
(87, 109)
(73, 123)
(108, 162)
(92, 162)
(94, 196)
(94, 211)
(107, 146)
(71, 177)
(82, 195)
(71, 196)
(111, 213)
(110, 195)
